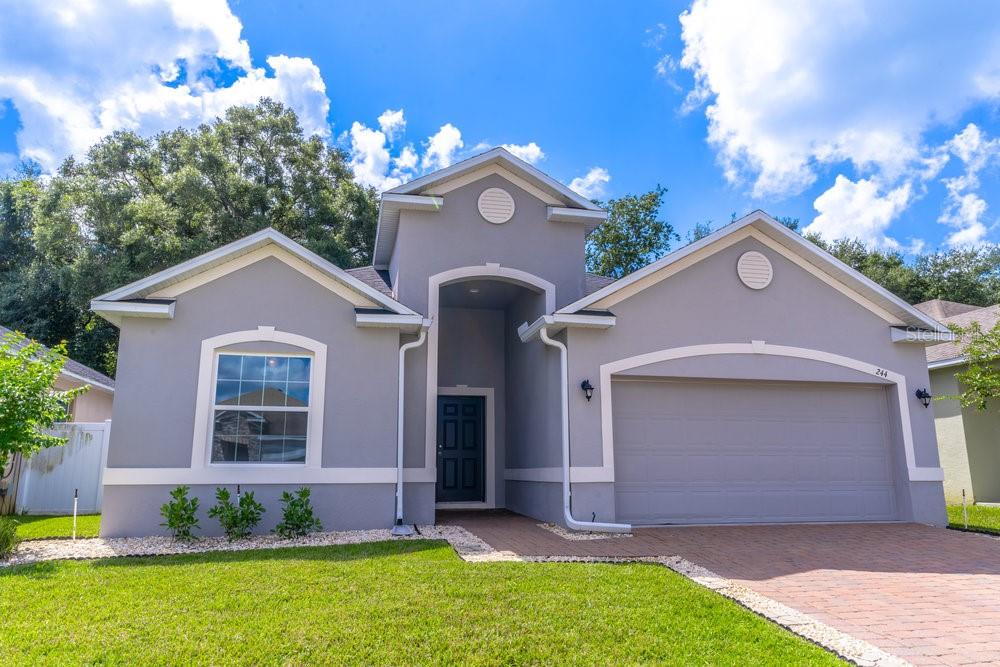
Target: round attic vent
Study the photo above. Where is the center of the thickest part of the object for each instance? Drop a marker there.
(496, 205)
(754, 270)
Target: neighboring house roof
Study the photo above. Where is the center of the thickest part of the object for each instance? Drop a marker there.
(424, 194)
(802, 251)
(135, 297)
(950, 354)
(374, 278)
(940, 309)
(78, 371)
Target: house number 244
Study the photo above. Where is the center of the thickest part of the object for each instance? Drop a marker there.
(881, 372)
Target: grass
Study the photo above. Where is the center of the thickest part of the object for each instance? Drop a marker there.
(982, 519)
(384, 603)
(44, 527)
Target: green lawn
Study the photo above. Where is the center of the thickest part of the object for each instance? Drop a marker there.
(385, 603)
(43, 527)
(981, 518)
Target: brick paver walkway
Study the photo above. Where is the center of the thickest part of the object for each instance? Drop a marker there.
(928, 595)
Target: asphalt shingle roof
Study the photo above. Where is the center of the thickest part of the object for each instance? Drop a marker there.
(593, 282)
(372, 277)
(986, 317)
(76, 368)
(940, 309)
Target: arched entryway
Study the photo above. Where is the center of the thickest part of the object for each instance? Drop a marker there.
(474, 356)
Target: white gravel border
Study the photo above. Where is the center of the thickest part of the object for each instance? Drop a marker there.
(580, 536)
(35, 551)
(472, 549)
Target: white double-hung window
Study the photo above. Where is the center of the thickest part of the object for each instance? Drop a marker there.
(260, 408)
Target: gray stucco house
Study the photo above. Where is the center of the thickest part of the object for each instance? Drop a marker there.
(968, 439)
(747, 377)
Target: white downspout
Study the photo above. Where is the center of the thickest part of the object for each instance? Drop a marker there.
(543, 333)
(399, 528)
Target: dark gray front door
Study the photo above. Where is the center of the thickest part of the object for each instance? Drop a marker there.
(460, 448)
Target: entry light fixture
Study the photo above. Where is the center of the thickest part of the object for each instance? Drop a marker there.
(588, 389)
(924, 396)
(3, 488)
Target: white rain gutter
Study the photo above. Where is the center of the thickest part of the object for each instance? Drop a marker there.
(399, 528)
(543, 334)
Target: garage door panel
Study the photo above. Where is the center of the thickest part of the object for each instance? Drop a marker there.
(772, 454)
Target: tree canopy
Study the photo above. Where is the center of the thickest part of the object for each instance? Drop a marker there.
(633, 235)
(28, 404)
(136, 205)
(980, 379)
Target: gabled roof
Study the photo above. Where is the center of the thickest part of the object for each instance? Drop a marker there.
(78, 371)
(422, 193)
(950, 354)
(790, 244)
(135, 296)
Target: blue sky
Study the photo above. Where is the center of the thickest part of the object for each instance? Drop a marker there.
(855, 118)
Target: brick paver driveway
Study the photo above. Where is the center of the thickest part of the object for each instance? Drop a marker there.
(928, 595)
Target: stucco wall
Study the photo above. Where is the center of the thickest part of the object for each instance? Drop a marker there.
(706, 303)
(533, 415)
(951, 437)
(94, 405)
(982, 436)
(153, 414)
(135, 510)
(551, 250)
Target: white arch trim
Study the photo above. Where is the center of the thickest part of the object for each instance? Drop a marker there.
(916, 473)
(200, 449)
(434, 285)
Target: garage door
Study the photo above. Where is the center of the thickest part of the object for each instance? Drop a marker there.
(744, 452)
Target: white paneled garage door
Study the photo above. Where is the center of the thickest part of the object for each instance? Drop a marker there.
(743, 452)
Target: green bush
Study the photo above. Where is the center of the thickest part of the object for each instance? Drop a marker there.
(297, 515)
(180, 514)
(238, 521)
(8, 536)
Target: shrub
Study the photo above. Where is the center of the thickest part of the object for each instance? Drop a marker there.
(8, 536)
(180, 514)
(238, 520)
(297, 515)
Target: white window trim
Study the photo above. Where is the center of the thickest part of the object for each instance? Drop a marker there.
(216, 406)
(201, 450)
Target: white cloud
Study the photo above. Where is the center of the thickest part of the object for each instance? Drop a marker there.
(964, 208)
(392, 123)
(592, 184)
(370, 158)
(441, 147)
(792, 86)
(407, 159)
(530, 153)
(860, 210)
(78, 71)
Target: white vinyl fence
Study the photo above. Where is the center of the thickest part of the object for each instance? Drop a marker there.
(49, 478)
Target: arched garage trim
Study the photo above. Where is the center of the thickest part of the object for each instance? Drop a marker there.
(916, 473)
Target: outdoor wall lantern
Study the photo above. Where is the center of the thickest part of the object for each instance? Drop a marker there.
(3, 488)
(924, 396)
(588, 389)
